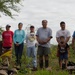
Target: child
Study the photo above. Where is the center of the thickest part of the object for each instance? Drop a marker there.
(31, 47)
(63, 51)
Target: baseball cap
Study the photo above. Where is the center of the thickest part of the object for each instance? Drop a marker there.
(31, 26)
(8, 25)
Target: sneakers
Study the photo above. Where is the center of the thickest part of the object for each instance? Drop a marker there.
(34, 69)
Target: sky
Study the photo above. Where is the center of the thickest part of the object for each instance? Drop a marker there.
(34, 11)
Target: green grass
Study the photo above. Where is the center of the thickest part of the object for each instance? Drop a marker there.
(53, 64)
(44, 72)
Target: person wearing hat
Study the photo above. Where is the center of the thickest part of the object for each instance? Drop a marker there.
(7, 40)
(31, 47)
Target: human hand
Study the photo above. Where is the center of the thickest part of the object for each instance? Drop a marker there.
(42, 42)
(17, 44)
(36, 44)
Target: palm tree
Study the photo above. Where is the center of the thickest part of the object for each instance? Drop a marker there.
(7, 5)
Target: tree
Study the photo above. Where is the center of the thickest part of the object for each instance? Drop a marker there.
(6, 6)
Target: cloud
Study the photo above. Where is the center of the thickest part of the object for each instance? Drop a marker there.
(33, 11)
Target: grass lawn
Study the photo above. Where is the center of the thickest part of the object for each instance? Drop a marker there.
(53, 64)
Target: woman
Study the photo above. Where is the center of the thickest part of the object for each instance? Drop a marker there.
(19, 37)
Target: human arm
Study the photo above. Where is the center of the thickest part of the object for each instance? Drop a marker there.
(58, 51)
(14, 37)
(23, 37)
(37, 37)
(47, 40)
(67, 37)
(73, 42)
(39, 41)
(49, 37)
(57, 37)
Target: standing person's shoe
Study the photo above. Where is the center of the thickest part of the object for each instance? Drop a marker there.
(46, 63)
(41, 64)
(34, 69)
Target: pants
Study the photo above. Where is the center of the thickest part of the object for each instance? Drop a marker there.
(18, 52)
(32, 52)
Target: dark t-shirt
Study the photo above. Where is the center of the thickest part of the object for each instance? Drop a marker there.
(63, 49)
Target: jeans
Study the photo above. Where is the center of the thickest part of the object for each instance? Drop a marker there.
(18, 52)
(63, 56)
(32, 52)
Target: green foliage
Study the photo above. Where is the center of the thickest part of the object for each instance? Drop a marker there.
(7, 5)
(1, 30)
(53, 64)
(45, 72)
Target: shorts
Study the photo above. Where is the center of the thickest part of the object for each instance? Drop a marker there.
(43, 51)
(63, 56)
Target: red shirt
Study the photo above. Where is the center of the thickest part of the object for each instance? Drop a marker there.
(7, 37)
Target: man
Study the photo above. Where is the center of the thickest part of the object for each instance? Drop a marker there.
(44, 35)
(7, 40)
(31, 47)
(62, 32)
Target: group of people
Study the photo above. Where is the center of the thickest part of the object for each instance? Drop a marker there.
(38, 43)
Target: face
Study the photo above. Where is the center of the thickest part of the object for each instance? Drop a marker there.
(31, 29)
(62, 39)
(7, 28)
(44, 23)
(62, 26)
(20, 26)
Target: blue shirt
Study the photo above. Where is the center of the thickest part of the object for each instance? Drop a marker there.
(73, 34)
(19, 36)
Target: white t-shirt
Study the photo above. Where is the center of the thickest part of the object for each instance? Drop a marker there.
(64, 33)
(30, 39)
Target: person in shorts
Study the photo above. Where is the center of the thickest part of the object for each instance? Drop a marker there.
(63, 49)
(44, 35)
(63, 32)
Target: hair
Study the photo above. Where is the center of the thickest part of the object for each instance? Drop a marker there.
(62, 22)
(62, 37)
(44, 20)
(31, 26)
(20, 23)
